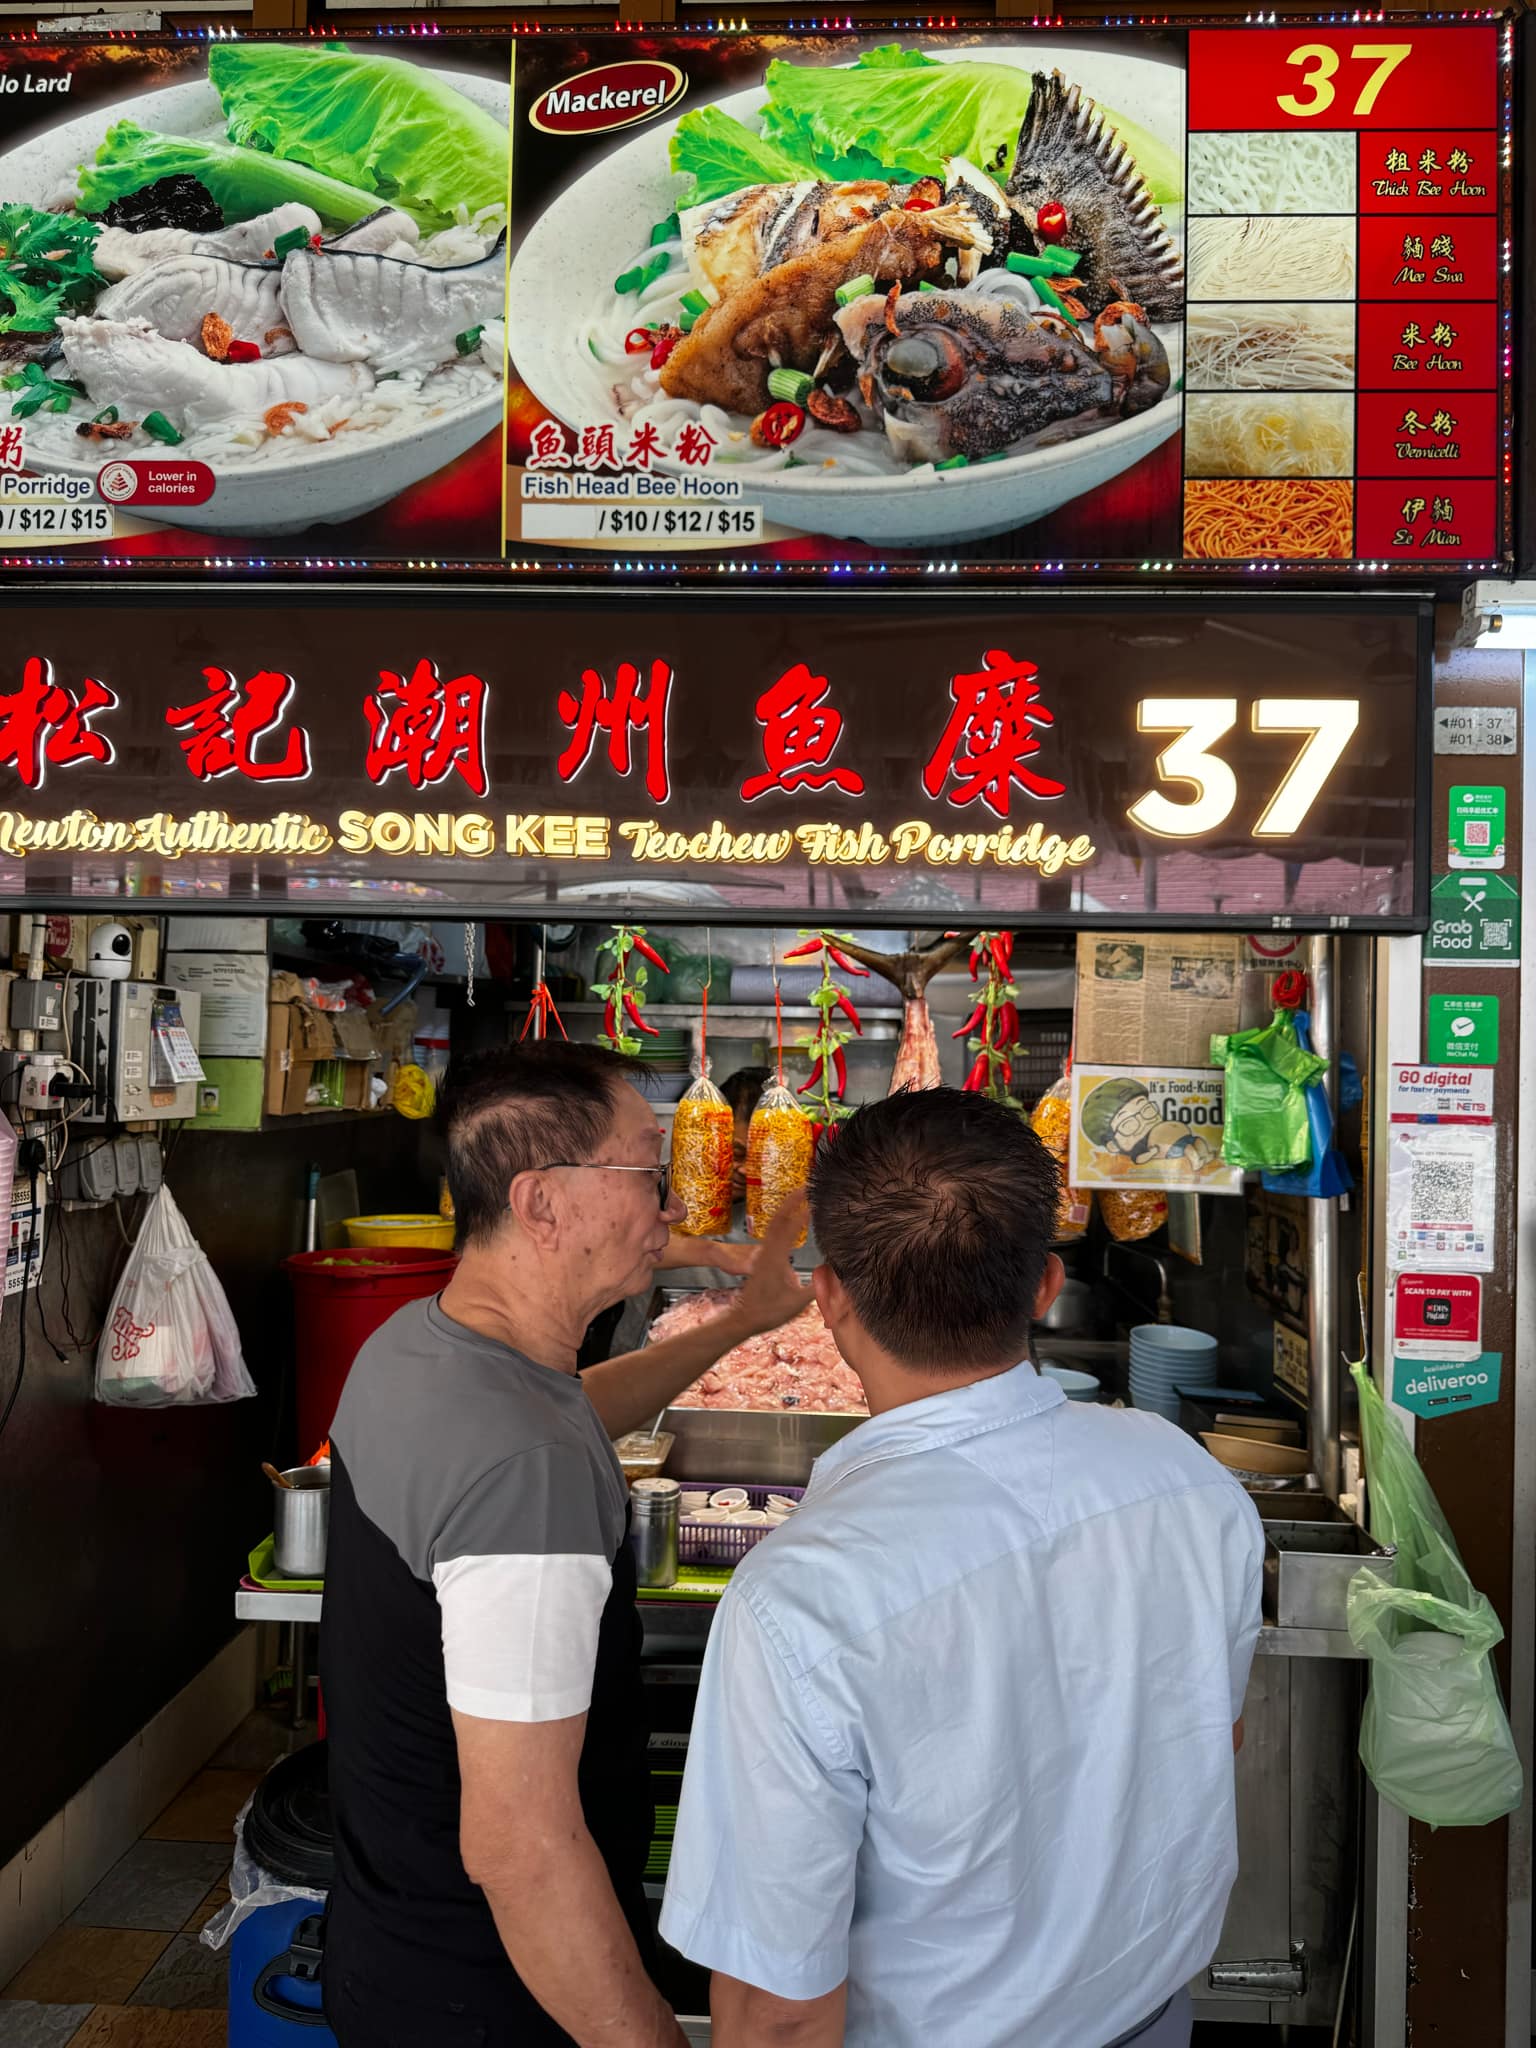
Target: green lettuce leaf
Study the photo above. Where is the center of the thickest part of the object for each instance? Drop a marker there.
(719, 155)
(396, 129)
(245, 182)
(890, 111)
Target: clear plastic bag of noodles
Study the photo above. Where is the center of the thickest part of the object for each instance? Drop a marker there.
(703, 1136)
(1051, 1122)
(1130, 1213)
(780, 1140)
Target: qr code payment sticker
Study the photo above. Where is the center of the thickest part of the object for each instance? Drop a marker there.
(1442, 1198)
(1477, 832)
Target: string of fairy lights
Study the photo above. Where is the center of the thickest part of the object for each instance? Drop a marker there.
(488, 569)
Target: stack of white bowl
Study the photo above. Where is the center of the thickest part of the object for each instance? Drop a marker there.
(1165, 1357)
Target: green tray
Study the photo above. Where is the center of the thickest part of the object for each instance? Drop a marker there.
(694, 1582)
(262, 1565)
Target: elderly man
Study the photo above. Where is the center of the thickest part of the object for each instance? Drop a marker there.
(962, 1767)
(480, 1647)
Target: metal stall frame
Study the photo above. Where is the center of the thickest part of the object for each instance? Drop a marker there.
(1384, 1951)
(1520, 1987)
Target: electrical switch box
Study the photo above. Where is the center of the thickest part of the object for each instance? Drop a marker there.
(136, 1043)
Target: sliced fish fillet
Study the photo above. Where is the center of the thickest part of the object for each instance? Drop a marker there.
(119, 253)
(381, 234)
(129, 365)
(346, 308)
(176, 293)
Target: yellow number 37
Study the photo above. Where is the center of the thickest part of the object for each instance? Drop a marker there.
(1319, 64)
(1199, 722)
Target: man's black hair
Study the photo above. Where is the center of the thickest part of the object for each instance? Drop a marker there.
(936, 1210)
(743, 1088)
(521, 1106)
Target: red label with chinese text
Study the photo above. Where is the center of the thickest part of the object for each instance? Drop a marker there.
(1413, 170)
(1451, 346)
(1408, 520)
(1426, 434)
(1409, 256)
(1369, 76)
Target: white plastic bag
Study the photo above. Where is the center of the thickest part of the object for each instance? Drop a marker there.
(250, 1888)
(169, 1338)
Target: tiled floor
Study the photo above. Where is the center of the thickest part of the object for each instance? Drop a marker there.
(127, 1970)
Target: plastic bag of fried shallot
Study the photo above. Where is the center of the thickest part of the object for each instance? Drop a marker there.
(703, 1134)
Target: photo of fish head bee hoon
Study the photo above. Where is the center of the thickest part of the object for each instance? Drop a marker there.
(905, 293)
(283, 262)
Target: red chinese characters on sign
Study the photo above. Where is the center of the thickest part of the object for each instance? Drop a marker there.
(629, 710)
(43, 724)
(990, 736)
(225, 728)
(800, 732)
(428, 727)
(12, 447)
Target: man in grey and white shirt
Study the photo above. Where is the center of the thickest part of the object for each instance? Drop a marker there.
(480, 1648)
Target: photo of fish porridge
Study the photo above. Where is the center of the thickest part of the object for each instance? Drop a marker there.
(992, 274)
(291, 268)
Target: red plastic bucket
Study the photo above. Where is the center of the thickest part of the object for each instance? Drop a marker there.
(339, 1299)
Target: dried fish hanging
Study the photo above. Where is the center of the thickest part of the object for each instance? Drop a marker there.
(917, 1055)
(780, 1141)
(703, 1134)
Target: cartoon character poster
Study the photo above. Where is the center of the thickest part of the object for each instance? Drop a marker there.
(1154, 1127)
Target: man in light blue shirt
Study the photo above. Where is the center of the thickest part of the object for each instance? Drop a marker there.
(962, 1766)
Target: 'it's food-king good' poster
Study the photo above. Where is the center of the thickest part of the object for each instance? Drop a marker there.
(1153, 1127)
(892, 300)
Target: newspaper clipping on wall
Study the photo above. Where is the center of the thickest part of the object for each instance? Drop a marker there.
(1152, 999)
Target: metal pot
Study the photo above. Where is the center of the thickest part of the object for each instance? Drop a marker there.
(301, 1520)
(1071, 1310)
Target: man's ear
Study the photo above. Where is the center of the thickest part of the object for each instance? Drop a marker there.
(1050, 1284)
(831, 1296)
(530, 1207)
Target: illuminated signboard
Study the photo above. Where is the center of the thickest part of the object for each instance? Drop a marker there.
(1181, 299)
(1126, 764)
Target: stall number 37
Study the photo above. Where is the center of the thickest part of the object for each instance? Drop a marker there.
(1200, 722)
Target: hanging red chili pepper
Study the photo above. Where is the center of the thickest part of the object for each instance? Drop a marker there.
(840, 1068)
(804, 952)
(972, 1023)
(651, 954)
(636, 1019)
(848, 966)
(976, 1080)
(849, 1012)
(811, 1080)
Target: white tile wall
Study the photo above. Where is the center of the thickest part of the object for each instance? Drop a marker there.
(41, 1887)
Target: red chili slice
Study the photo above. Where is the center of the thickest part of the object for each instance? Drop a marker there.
(918, 206)
(242, 352)
(664, 347)
(1052, 218)
(638, 339)
(779, 425)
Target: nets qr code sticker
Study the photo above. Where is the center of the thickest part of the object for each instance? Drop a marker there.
(1442, 1200)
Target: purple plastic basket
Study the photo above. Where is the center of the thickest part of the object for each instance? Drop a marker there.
(719, 1545)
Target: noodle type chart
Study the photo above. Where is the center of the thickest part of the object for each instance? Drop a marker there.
(1240, 519)
(1238, 434)
(1272, 257)
(1257, 346)
(1271, 173)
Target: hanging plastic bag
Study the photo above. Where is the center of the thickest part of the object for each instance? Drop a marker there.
(780, 1141)
(169, 1339)
(703, 1137)
(1434, 1739)
(1265, 1114)
(1326, 1173)
(1051, 1122)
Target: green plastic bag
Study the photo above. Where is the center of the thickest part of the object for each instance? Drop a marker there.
(1265, 1120)
(1435, 1739)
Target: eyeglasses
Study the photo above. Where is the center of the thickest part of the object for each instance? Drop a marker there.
(663, 1174)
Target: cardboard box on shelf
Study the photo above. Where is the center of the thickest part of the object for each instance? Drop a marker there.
(316, 1059)
(233, 987)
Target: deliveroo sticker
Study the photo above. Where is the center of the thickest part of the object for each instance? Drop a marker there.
(1433, 1387)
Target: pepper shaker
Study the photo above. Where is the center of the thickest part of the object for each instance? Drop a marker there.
(653, 1530)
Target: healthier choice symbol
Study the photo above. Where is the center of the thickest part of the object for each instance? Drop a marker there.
(117, 482)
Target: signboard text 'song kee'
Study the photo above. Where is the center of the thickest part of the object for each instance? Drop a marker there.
(891, 764)
(1193, 298)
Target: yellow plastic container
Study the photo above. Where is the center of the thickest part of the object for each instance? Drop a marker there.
(431, 1233)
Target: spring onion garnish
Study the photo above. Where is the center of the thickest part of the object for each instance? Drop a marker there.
(107, 417)
(1063, 261)
(467, 342)
(954, 462)
(925, 286)
(643, 274)
(1032, 266)
(157, 424)
(296, 238)
(694, 303)
(855, 288)
(666, 230)
(794, 385)
(1039, 285)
